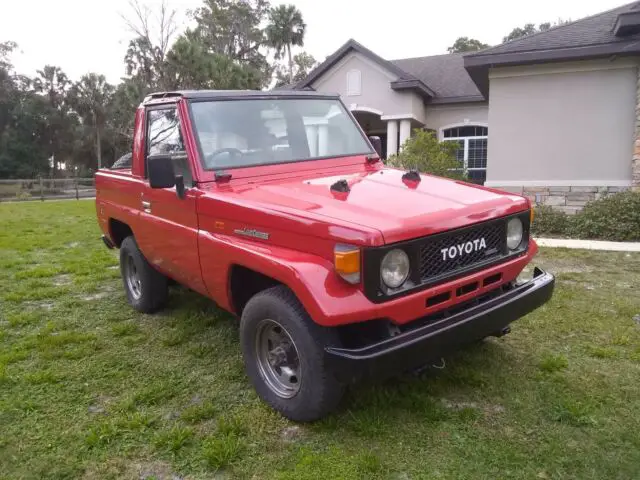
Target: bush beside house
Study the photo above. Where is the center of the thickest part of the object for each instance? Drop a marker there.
(614, 217)
(423, 152)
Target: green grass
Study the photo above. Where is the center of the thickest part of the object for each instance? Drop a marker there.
(91, 389)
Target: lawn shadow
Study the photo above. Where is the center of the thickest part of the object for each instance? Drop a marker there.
(460, 386)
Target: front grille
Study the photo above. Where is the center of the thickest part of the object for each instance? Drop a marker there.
(447, 253)
(429, 264)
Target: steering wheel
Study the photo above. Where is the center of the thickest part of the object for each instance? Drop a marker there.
(234, 152)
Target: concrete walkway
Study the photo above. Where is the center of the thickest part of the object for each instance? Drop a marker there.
(589, 244)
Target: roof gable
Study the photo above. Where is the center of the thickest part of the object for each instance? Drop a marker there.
(405, 80)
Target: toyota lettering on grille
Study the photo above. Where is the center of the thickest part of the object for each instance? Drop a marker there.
(465, 248)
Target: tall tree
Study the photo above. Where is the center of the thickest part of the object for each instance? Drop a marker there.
(54, 85)
(90, 97)
(233, 29)
(303, 63)
(120, 117)
(466, 44)
(189, 65)
(7, 83)
(21, 122)
(286, 28)
(146, 53)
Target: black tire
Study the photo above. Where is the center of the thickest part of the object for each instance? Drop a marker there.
(152, 290)
(319, 392)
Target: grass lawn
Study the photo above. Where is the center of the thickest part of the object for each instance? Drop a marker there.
(91, 389)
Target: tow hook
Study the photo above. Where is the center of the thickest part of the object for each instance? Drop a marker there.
(502, 333)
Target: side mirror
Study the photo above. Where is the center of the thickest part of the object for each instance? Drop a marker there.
(376, 143)
(161, 173)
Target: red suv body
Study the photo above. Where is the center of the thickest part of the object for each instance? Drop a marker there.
(275, 204)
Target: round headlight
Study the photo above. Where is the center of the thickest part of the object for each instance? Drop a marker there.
(394, 268)
(515, 233)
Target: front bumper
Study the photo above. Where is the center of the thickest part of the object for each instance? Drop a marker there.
(434, 339)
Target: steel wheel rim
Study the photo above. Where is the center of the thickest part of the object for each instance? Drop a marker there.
(278, 359)
(133, 278)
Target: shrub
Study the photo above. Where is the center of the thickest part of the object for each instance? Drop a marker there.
(614, 217)
(548, 221)
(423, 152)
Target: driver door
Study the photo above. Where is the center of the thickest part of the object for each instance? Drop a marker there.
(169, 225)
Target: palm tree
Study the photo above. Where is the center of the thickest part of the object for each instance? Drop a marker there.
(91, 96)
(285, 29)
(53, 84)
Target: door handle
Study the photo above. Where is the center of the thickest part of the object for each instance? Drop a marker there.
(146, 206)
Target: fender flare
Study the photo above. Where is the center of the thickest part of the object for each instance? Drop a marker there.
(298, 271)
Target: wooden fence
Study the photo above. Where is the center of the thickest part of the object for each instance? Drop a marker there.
(46, 189)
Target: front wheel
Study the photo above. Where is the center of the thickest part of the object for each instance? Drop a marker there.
(284, 357)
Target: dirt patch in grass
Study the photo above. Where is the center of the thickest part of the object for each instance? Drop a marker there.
(95, 296)
(63, 279)
(38, 304)
(458, 406)
(156, 471)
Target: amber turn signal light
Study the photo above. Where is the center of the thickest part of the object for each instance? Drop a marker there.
(347, 262)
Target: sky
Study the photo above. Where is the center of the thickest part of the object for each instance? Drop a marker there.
(89, 35)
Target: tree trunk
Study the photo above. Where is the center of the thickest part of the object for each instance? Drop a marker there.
(98, 147)
(290, 64)
(98, 142)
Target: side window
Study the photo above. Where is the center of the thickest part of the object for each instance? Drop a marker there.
(164, 137)
(163, 134)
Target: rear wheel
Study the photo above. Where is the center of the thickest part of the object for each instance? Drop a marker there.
(145, 287)
(284, 356)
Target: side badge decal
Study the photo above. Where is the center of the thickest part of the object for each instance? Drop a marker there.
(252, 233)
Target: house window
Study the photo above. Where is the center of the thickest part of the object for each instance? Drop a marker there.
(354, 83)
(472, 151)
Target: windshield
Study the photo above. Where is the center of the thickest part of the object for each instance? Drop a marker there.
(242, 133)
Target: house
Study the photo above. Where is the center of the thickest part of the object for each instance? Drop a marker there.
(554, 115)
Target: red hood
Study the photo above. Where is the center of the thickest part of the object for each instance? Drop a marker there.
(382, 201)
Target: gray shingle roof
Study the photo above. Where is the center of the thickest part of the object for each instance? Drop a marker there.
(588, 38)
(444, 74)
(590, 31)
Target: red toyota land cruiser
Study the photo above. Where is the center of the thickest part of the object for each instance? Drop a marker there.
(277, 207)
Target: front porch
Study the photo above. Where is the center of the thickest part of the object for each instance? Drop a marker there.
(395, 130)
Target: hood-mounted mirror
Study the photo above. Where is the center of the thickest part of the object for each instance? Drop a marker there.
(412, 176)
(341, 186)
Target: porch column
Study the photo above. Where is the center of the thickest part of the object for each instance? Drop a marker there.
(392, 137)
(323, 140)
(312, 137)
(405, 131)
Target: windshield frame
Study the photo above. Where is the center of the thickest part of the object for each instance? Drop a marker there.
(240, 98)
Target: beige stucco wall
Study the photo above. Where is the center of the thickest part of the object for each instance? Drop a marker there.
(376, 90)
(444, 116)
(562, 124)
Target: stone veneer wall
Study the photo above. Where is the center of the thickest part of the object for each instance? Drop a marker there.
(635, 162)
(567, 199)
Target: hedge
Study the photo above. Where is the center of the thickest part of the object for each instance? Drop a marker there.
(613, 217)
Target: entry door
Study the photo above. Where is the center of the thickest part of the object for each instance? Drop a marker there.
(169, 236)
